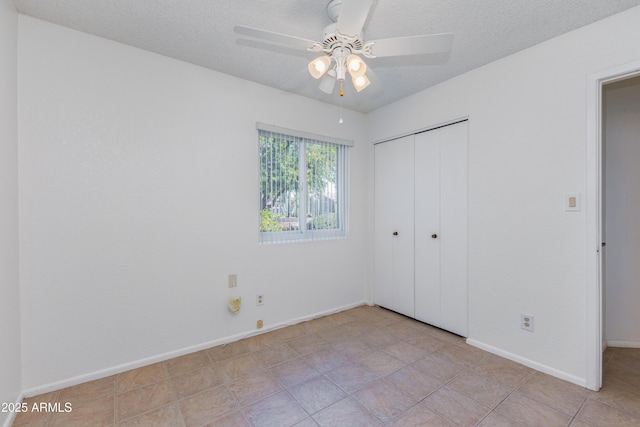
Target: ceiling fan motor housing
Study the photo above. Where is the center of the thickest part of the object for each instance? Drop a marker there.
(333, 40)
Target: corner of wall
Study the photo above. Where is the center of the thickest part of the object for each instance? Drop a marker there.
(10, 356)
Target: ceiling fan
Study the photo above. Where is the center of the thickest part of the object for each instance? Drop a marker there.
(344, 42)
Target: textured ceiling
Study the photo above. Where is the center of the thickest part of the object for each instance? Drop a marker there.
(201, 32)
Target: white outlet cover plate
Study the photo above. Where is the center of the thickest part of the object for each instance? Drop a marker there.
(526, 322)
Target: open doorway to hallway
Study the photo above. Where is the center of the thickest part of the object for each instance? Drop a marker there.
(620, 200)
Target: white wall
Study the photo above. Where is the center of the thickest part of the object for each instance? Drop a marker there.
(139, 193)
(622, 209)
(527, 134)
(10, 385)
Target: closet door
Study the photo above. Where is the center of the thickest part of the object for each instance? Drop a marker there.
(427, 226)
(394, 231)
(454, 228)
(441, 228)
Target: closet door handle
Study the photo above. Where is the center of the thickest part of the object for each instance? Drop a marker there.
(395, 233)
(434, 236)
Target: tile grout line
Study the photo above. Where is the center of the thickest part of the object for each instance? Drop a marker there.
(584, 402)
(382, 324)
(175, 392)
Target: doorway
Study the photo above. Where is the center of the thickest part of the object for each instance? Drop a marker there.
(596, 216)
(620, 210)
(621, 230)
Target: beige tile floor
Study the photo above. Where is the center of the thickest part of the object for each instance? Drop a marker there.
(362, 367)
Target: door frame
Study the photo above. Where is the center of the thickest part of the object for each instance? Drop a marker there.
(594, 205)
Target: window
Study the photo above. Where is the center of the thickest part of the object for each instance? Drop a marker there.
(303, 185)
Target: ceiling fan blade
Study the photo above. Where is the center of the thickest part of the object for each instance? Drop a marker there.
(299, 79)
(272, 37)
(413, 45)
(352, 15)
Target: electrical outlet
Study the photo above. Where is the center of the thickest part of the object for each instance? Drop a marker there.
(526, 322)
(259, 299)
(259, 324)
(233, 280)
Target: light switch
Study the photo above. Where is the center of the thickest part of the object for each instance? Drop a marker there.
(572, 202)
(233, 280)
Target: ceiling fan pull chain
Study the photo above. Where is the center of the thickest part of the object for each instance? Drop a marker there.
(341, 95)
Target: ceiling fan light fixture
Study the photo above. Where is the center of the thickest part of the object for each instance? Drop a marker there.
(328, 82)
(360, 82)
(319, 66)
(356, 66)
(343, 46)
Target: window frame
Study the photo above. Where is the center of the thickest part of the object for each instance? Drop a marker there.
(342, 184)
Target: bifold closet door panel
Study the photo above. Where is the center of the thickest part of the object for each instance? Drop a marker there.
(394, 230)
(427, 227)
(454, 227)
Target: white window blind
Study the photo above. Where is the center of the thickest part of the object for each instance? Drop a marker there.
(303, 186)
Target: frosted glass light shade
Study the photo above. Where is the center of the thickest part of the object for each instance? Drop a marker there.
(319, 66)
(328, 82)
(361, 82)
(356, 66)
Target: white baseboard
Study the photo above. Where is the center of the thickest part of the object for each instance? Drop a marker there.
(12, 415)
(582, 382)
(176, 353)
(625, 344)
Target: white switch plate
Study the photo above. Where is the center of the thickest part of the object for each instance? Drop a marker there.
(572, 202)
(233, 280)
